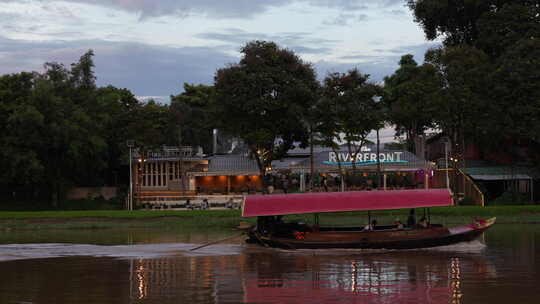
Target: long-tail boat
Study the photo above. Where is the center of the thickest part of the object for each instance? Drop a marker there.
(271, 231)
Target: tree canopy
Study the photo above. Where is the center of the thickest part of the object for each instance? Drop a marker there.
(348, 110)
(489, 67)
(65, 131)
(193, 115)
(262, 99)
(410, 95)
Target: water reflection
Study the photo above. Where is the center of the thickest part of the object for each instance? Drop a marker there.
(497, 273)
(271, 276)
(411, 277)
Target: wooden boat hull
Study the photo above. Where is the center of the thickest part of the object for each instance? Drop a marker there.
(390, 239)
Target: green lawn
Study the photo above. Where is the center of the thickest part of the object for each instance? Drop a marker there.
(116, 214)
(230, 218)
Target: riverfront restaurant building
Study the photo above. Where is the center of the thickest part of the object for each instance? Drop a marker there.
(399, 169)
(180, 171)
(183, 171)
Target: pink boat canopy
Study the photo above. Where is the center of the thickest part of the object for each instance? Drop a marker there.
(281, 204)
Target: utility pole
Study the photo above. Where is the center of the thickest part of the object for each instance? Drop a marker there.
(311, 170)
(378, 161)
(446, 162)
(130, 144)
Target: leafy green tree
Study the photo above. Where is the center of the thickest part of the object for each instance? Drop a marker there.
(64, 131)
(193, 116)
(463, 106)
(20, 165)
(116, 112)
(150, 125)
(515, 99)
(490, 25)
(501, 28)
(57, 129)
(484, 52)
(348, 111)
(82, 73)
(410, 96)
(262, 99)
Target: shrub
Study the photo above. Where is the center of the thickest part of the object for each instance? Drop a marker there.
(510, 198)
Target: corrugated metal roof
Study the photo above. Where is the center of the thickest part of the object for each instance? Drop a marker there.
(492, 177)
(496, 170)
(287, 162)
(501, 173)
(232, 164)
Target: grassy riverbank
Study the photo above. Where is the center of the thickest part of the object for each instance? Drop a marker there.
(110, 219)
(103, 219)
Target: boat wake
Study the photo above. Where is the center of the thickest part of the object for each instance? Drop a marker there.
(147, 251)
(464, 247)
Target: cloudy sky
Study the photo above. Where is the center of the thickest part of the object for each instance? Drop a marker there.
(153, 46)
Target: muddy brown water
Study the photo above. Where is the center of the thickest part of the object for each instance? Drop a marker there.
(137, 266)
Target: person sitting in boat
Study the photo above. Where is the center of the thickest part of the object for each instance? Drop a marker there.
(423, 223)
(411, 220)
(399, 224)
(370, 226)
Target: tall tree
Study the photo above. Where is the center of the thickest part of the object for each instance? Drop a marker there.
(262, 98)
(481, 23)
(115, 111)
(410, 95)
(63, 130)
(19, 162)
(193, 116)
(347, 112)
(515, 97)
(462, 108)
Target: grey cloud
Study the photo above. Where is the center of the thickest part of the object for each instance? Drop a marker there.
(144, 69)
(297, 41)
(220, 8)
(378, 66)
(344, 19)
(58, 10)
(341, 4)
(307, 50)
(359, 57)
(8, 17)
(182, 8)
(397, 12)
(355, 5)
(377, 71)
(417, 50)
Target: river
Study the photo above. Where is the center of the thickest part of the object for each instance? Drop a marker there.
(137, 266)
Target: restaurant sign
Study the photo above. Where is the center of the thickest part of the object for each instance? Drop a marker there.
(363, 158)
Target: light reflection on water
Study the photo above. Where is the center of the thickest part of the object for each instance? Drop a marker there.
(506, 271)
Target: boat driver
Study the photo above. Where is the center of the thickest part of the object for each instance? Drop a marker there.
(370, 227)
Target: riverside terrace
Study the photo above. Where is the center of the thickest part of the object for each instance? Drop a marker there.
(168, 178)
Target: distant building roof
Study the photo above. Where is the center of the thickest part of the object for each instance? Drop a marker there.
(316, 149)
(501, 173)
(231, 164)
